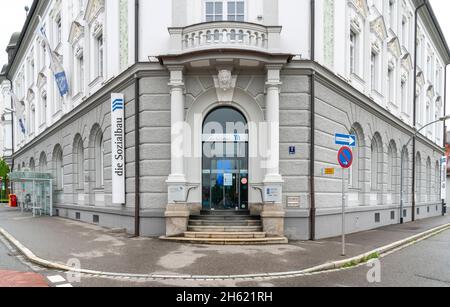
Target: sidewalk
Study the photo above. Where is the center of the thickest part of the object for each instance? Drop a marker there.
(18, 279)
(98, 249)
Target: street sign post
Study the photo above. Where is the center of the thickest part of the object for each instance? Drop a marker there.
(345, 140)
(345, 159)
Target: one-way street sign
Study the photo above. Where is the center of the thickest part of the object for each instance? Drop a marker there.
(345, 140)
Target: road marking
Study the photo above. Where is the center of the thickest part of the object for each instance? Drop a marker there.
(65, 286)
(56, 279)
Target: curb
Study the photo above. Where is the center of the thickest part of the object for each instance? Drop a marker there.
(331, 266)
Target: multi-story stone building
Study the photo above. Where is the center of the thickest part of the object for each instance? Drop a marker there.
(288, 74)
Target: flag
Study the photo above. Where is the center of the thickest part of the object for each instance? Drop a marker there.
(19, 109)
(55, 63)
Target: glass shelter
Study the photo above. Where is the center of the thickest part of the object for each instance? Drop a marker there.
(34, 192)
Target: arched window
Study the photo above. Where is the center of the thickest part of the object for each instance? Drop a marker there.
(405, 175)
(437, 181)
(32, 165)
(99, 160)
(43, 163)
(376, 162)
(78, 156)
(419, 191)
(429, 179)
(59, 167)
(392, 167)
(355, 171)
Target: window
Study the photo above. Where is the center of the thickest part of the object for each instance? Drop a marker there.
(58, 24)
(80, 73)
(392, 166)
(32, 119)
(43, 163)
(428, 179)
(79, 163)
(99, 55)
(374, 165)
(418, 178)
(231, 10)
(374, 70)
(353, 52)
(405, 32)
(214, 11)
(32, 165)
(44, 109)
(391, 86)
(404, 93)
(99, 160)
(392, 13)
(353, 173)
(59, 168)
(236, 10)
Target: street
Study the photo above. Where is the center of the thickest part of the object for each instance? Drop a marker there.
(424, 264)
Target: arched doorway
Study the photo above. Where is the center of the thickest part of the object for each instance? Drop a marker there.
(225, 160)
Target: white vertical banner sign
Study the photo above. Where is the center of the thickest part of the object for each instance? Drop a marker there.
(118, 148)
(444, 178)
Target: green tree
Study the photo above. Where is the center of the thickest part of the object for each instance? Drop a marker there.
(4, 169)
(4, 175)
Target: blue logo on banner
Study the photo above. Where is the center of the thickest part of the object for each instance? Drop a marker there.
(22, 126)
(61, 81)
(117, 104)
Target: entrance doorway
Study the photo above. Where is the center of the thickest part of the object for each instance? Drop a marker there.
(225, 160)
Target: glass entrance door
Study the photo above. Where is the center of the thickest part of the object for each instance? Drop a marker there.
(225, 163)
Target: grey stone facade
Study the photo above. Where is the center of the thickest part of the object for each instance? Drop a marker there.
(339, 109)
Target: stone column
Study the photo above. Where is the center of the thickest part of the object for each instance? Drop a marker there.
(273, 212)
(177, 213)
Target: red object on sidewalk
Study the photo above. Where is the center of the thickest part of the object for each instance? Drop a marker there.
(13, 201)
(11, 279)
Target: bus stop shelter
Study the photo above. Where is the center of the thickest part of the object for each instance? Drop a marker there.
(34, 192)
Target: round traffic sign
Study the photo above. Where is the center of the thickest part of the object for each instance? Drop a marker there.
(345, 157)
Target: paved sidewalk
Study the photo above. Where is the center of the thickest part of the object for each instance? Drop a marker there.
(19, 279)
(99, 249)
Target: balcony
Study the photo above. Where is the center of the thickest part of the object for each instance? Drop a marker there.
(225, 35)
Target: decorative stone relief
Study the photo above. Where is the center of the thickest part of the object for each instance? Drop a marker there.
(93, 10)
(394, 47)
(123, 34)
(225, 84)
(360, 6)
(329, 32)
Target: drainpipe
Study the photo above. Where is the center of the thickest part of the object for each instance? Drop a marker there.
(445, 131)
(416, 17)
(312, 154)
(137, 175)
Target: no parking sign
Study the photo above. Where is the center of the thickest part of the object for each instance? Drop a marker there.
(345, 157)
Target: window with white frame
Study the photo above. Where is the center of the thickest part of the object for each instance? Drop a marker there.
(405, 32)
(391, 85)
(219, 10)
(99, 160)
(43, 108)
(79, 67)
(58, 29)
(32, 119)
(353, 52)
(404, 95)
(374, 70)
(99, 56)
(59, 168)
(392, 14)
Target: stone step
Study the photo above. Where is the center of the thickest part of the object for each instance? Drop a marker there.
(225, 217)
(262, 241)
(225, 223)
(225, 228)
(225, 235)
(225, 212)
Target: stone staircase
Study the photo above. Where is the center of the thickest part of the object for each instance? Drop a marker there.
(226, 228)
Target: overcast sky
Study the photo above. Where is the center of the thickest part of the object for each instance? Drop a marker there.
(12, 17)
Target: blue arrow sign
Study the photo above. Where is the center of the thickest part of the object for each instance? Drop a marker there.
(345, 140)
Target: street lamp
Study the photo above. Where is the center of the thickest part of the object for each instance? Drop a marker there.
(442, 119)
